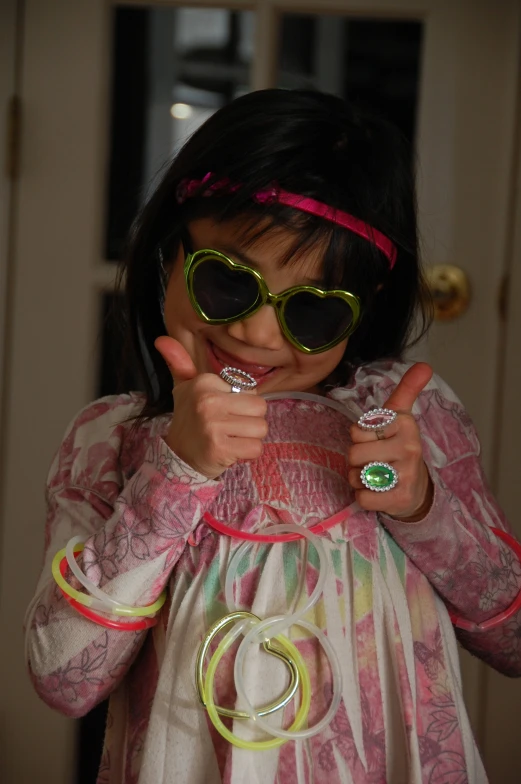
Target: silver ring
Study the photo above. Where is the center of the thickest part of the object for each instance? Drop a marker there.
(376, 420)
(379, 477)
(238, 379)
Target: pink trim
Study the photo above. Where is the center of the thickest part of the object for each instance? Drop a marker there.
(318, 528)
(491, 623)
(189, 188)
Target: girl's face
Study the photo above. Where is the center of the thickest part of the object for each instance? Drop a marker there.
(255, 344)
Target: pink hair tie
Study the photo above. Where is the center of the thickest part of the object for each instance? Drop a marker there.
(274, 194)
(269, 196)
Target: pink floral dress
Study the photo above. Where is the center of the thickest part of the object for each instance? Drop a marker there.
(384, 607)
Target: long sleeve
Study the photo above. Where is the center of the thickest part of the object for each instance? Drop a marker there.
(134, 533)
(477, 574)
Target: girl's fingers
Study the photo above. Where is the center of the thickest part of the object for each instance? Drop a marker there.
(403, 422)
(212, 405)
(245, 448)
(177, 358)
(353, 477)
(402, 501)
(246, 427)
(401, 400)
(412, 383)
(243, 404)
(382, 451)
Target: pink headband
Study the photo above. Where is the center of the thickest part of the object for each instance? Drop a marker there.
(188, 188)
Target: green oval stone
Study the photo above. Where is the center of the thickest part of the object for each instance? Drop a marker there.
(379, 476)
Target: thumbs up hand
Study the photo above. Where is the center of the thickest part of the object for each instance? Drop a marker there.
(210, 428)
(401, 447)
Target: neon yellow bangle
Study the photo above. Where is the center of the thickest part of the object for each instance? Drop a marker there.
(88, 601)
(300, 718)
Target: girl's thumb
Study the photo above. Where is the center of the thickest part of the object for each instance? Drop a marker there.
(177, 358)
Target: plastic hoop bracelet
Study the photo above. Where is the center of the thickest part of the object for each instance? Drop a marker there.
(302, 712)
(82, 578)
(89, 601)
(491, 623)
(275, 625)
(294, 617)
(318, 528)
(123, 626)
(293, 733)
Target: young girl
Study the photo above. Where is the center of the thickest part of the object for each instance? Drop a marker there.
(277, 259)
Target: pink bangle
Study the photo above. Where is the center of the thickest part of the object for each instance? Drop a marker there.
(497, 620)
(318, 528)
(126, 626)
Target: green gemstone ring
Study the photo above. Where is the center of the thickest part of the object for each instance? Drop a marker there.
(379, 477)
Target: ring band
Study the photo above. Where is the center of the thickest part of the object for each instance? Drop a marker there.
(377, 419)
(238, 379)
(379, 477)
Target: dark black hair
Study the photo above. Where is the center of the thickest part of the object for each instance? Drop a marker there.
(313, 144)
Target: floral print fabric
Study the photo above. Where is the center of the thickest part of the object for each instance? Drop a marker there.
(141, 512)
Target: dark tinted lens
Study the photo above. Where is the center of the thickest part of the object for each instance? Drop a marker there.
(221, 291)
(314, 321)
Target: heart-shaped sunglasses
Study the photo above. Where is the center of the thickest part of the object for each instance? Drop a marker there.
(222, 291)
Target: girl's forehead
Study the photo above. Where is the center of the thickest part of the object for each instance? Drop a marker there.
(267, 247)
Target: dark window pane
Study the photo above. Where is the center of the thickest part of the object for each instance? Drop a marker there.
(172, 68)
(127, 136)
(373, 62)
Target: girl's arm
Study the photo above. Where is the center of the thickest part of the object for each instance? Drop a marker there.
(476, 573)
(133, 539)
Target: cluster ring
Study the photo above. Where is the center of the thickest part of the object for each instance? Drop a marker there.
(379, 477)
(238, 379)
(377, 419)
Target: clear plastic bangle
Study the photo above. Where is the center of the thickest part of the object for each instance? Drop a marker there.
(301, 715)
(251, 638)
(89, 601)
(279, 623)
(289, 620)
(265, 631)
(106, 600)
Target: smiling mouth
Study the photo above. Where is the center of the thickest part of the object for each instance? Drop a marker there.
(220, 359)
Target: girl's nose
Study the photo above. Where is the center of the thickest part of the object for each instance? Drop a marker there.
(261, 330)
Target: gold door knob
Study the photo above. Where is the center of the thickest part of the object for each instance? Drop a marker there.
(450, 290)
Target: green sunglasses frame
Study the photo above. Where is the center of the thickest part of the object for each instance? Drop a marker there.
(277, 301)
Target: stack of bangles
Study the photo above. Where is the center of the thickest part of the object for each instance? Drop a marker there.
(96, 599)
(269, 633)
(269, 630)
